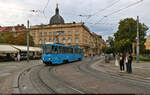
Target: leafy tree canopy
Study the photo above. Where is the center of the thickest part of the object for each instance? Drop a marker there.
(126, 34)
(20, 39)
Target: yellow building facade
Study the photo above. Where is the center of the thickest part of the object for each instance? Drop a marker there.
(147, 43)
(75, 34)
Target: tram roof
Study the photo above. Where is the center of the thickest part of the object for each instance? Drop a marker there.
(56, 44)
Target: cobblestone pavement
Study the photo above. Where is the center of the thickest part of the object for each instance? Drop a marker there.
(9, 70)
(140, 70)
(91, 81)
(83, 77)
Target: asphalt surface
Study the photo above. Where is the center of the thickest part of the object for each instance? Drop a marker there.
(8, 72)
(78, 77)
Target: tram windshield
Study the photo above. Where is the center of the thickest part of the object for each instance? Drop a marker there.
(50, 50)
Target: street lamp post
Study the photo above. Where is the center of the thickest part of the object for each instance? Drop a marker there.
(137, 47)
(28, 41)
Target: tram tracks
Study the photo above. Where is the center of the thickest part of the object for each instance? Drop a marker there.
(37, 81)
(30, 81)
(69, 86)
(43, 80)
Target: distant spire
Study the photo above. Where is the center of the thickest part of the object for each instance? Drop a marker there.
(57, 5)
(57, 9)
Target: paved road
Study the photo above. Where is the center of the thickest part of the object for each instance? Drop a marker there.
(78, 77)
(8, 72)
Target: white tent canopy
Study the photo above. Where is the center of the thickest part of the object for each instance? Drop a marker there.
(24, 48)
(36, 49)
(7, 49)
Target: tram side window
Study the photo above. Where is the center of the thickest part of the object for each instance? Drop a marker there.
(82, 51)
(67, 50)
(64, 50)
(76, 51)
(54, 50)
(60, 50)
(71, 50)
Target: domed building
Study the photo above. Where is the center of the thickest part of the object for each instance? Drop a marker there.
(75, 34)
(56, 19)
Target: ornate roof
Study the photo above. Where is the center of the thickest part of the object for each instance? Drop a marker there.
(56, 19)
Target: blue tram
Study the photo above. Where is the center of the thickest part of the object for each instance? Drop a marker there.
(58, 53)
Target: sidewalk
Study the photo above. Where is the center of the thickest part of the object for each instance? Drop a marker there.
(139, 70)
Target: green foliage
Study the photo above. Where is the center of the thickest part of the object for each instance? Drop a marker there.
(143, 58)
(110, 49)
(126, 35)
(21, 39)
(107, 50)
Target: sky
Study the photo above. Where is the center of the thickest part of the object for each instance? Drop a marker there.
(100, 16)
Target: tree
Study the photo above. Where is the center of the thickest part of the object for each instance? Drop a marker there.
(20, 39)
(126, 35)
(7, 38)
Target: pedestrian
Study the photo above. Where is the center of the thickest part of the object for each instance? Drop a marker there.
(121, 62)
(18, 56)
(15, 56)
(126, 61)
(116, 62)
(91, 56)
(130, 58)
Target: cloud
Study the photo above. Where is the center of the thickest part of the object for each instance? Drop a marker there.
(15, 12)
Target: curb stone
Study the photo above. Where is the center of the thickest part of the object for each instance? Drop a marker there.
(96, 67)
(16, 78)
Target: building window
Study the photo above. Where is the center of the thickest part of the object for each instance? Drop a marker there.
(50, 40)
(76, 33)
(69, 40)
(69, 33)
(50, 34)
(44, 40)
(77, 40)
(33, 34)
(64, 40)
(40, 34)
(55, 33)
(45, 33)
(40, 41)
(63, 33)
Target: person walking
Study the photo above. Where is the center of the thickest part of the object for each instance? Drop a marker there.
(116, 62)
(92, 56)
(126, 60)
(18, 56)
(130, 58)
(121, 62)
(15, 56)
